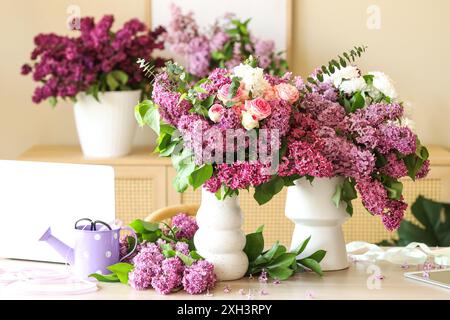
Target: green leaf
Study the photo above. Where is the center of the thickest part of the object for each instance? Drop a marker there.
(200, 175)
(394, 189)
(187, 260)
(121, 269)
(254, 245)
(120, 76)
(266, 191)
(311, 264)
(357, 101)
(152, 119)
(194, 255)
(270, 253)
(105, 278)
(280, 273)
(282, 261)
(235, 84)
(368, 78)
(337, 195)
(169, 253)
(150, 236)
(318, 255)
(53, 101)
(141, 109)
(208, 102)
(111, 81)
(184, 165)
(302, 246)
(142, 226)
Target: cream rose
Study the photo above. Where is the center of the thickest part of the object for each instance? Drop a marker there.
(258, 107)
(215, 112)
(287, 92)
(249, 121)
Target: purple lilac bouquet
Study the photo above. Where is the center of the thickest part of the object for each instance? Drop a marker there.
(164, 259)
(94, 61)
(225, 45)
(352, 125)
(209, 127)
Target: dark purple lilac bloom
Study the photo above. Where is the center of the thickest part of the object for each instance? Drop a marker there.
(67, 65)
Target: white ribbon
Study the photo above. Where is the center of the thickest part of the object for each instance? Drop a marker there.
(44, 281)
(413, 253)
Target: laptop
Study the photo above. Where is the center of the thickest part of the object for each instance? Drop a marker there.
(38, 195)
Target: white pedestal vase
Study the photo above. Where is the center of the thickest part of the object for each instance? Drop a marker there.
(311, 208)
(106, 129)
(219, 238)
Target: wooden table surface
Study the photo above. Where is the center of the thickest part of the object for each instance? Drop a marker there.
(356, 282)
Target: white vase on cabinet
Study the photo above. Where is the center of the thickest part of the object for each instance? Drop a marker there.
(106, 128)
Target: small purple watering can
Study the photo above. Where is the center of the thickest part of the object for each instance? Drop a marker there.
(95, 248)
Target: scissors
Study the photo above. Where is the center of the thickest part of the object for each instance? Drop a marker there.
(93, 224)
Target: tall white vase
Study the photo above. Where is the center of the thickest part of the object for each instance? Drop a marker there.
(106, 129)
(219, 238)
(310, 207)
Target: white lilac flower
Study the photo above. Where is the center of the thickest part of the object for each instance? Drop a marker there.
(346, 73)
(252, 78)
(353, 85)
(384, 84)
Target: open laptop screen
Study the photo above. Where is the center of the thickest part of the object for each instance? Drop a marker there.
(36, 195)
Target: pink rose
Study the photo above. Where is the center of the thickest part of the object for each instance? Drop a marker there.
(223, 94)
(258, 107)
(287, 92)
(215, 112)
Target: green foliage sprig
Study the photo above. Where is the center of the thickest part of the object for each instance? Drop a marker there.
(277, 261)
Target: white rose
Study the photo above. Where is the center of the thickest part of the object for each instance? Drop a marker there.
(249, 121)
(346, 73)
(252, 78)
(353, 85)
(384, 84)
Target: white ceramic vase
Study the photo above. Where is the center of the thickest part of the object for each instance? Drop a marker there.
(219, 238)
(310, 207)
(106, 129)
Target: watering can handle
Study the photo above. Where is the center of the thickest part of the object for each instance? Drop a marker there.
(135, 241)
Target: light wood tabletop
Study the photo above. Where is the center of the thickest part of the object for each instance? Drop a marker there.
(362, 280)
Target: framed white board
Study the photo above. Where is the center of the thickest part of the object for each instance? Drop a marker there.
(271, 19)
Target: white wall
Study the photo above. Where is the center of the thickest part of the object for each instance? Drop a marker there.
(412, 46)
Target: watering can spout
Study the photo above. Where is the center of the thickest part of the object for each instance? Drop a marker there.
(63, 249)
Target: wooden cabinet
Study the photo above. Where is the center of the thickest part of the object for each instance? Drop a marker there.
(144, 183)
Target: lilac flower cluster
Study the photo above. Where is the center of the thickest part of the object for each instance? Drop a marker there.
(201, 133)
(186, 39)
(186, 226)
(152, 269)
(368, 146)
(238, 175)
(375, 199)
(68, 65)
